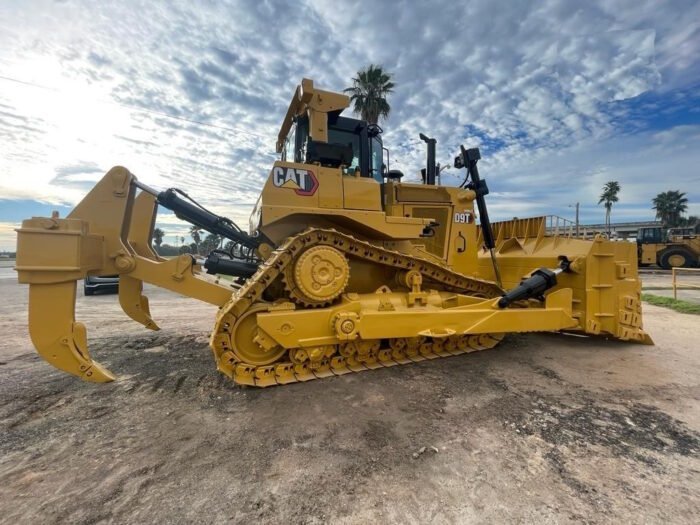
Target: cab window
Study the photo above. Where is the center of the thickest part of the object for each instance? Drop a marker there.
(652, 235)
(290, 144)
(337, 136)
(302, 136)
(375, 166)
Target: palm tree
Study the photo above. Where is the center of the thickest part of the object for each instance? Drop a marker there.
(196, 237)
(211, 242)
(608, 197)
(369, 91)
(692, 221)
(158, 235)
(669, 206)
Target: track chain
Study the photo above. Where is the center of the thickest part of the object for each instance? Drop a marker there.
(342, 360)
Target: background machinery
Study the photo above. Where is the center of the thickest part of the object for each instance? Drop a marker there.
(345, 267)
(679, 247)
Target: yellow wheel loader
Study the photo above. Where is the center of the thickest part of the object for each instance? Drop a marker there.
(345, 268)
(668, 248)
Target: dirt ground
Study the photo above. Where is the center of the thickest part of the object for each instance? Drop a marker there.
(543, 429)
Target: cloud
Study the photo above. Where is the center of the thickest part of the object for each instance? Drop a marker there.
(192, 95)
(643, 164)
(8, 236)
(82, 175)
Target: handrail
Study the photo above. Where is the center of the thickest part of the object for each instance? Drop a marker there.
(685, 286)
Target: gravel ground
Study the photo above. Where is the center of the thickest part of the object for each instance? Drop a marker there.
(543, 429)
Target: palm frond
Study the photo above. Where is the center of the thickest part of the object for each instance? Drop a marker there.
(369, 91)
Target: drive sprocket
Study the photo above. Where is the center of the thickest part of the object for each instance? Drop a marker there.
(317, 277)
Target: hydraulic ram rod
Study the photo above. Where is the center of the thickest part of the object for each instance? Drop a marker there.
(468, 159)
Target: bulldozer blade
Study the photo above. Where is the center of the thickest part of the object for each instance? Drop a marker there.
(58, 338)
(134, 303)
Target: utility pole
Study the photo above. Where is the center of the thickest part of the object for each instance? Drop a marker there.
(440, 169)
(577, 223)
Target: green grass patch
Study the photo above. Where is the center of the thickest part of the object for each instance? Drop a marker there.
(683, 307)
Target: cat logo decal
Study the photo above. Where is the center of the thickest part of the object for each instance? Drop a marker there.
(303, 182)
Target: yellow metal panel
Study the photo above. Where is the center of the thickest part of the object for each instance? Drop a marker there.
(330, 188)
(361, 193)
(282, 221)
(422, 193)
(649, 252)
(56, 250)
(108, 207)
(377, 320)
(178, 275)
(143, 221)
(315, 103)
(442, 216)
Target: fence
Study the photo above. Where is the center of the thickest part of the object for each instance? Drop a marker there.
(674, 271)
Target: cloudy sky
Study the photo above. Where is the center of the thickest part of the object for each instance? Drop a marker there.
(561, 96)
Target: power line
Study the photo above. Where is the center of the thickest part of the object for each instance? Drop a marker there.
(142, 110)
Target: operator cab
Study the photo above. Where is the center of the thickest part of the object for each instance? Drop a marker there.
(654, 235)
(352, 144)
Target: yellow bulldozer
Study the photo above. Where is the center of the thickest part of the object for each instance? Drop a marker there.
(345, 267)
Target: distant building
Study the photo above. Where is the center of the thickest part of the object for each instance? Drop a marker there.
(618, 230)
